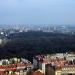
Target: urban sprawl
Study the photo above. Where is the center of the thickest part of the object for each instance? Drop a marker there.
(49, 64)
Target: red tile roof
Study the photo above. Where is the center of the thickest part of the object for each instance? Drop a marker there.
(13, 67)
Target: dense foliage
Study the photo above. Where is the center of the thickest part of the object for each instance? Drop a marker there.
(27, 44)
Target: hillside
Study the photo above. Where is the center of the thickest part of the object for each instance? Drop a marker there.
(27, 44)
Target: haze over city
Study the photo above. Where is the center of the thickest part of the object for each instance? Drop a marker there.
(58, 12)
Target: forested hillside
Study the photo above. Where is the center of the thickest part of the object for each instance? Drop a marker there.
(27, 44)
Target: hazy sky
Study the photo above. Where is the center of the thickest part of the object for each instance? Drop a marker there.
(37, 11)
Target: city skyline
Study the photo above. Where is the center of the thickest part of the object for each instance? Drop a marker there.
(37, 12)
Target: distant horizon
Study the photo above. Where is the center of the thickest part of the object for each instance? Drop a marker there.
(37, 24)
(53, 12)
